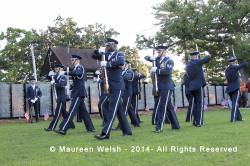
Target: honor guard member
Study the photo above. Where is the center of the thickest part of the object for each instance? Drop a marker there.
(154, 93)
(233, 86)
(164, 69)
(136, 84)
(33, 95)
(58, 80)
(114, 61)
(190, 110)
(128, 77)
(197, 81)
(78, 94)
(103, 98)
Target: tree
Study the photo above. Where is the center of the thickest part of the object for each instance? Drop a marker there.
(65, 33)
(215, 25)
(15, 58)
(131, 54)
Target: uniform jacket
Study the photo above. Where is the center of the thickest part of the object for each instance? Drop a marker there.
(232, 76)
(128, 77)
(186, 84)
(195, 73)
(164, 73)
(78, 76)
(115, 60)
(136, 84)
(60, 83)
(33, 93)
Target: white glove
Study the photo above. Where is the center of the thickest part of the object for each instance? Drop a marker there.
(52, 82)
(207, 53)
(96, 79)
(103, 63)
(152, 58)
(62, 72)
(35, 99)
(97, 72)
(32, 101)
(101, 50)
(51, 73)
(153, 69)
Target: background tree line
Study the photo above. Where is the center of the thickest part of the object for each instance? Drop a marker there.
(15, 57)
(218, 26)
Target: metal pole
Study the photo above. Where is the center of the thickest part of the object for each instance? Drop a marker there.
(33, 61)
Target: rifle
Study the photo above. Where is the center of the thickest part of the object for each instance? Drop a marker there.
(154, 78)
(67, 77)
(52, 75)
(105, 77)
(33, 61)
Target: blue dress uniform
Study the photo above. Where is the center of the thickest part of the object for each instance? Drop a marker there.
(115, 60)
(103, 102)
(166, 86)
(233, 87)
(128, 76)
(136, 84)
(197, 81)
(32, 93)
(60, 83)
(156, 98)
(189, 115)
(78, 94)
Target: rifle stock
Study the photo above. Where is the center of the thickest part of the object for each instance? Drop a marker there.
(105, 77)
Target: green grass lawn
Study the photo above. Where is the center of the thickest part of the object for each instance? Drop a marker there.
(28, 144)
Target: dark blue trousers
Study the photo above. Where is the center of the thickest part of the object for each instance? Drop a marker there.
(103, 107)
(156, 105)
(115, 107)
(60, 110)
(77, 104)
(128, 109)
(134, 102)
(235, 112)
(198, 107)
(165, 108)
(190, 110)
(171, 116)
(155, 111)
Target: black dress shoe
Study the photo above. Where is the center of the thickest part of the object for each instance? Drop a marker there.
(90, 131)
(101, 137)
(125, 134)
(136, 125)
(60, 132)
(197, 125)
(157, 131)
(47, 129)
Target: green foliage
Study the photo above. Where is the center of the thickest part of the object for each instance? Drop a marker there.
(15, 57)
(214, 25)
(131, 54)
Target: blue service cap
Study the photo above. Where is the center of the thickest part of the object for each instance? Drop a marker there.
(231, 58)
(58, 65)
(109, 41)
(76, 56)
(194, 53)
(161, 47)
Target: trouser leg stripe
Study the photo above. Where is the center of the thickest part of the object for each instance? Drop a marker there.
(156, 110)
(59, 112)
(118, 100)
(70, 113)
(165, 110)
